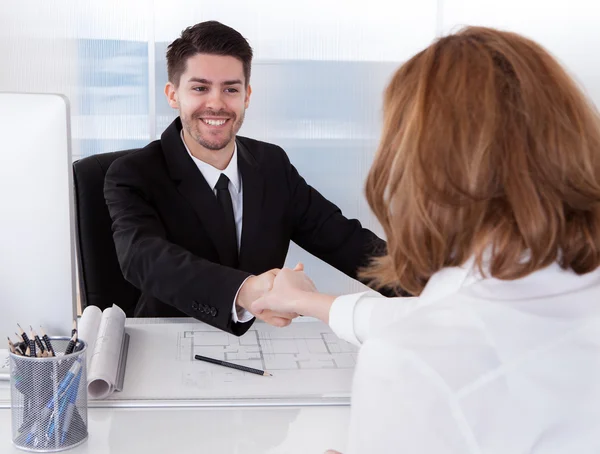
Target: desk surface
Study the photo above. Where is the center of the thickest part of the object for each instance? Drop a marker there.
(284, 430)
(162, 427)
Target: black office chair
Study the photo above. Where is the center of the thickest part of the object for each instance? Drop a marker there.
(101, 282)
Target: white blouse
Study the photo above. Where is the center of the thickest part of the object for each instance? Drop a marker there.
(477, 365)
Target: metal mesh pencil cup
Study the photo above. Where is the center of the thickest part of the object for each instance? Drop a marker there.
(49, 399)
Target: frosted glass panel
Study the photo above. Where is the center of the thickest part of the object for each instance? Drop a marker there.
(312, 29)
(87, 51)
(319, 71)
(568, 29)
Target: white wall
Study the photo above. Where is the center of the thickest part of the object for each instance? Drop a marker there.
(569, 29)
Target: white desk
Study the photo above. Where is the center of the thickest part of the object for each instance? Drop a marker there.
(206, 430)
(191, 426)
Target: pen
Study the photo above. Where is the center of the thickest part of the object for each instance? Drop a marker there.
(65, 388)
(31, 435)
(70, 408)
(67, 400)
(70, 374)
(233, 366)
(67, 423)
(59, 411)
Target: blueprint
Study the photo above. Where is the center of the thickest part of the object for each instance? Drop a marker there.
(306, 360)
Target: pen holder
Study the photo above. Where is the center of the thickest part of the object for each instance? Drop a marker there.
(49, 399)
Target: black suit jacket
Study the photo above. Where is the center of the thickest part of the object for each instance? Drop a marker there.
(167, 224)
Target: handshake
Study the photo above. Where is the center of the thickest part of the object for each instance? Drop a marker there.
(278, 296)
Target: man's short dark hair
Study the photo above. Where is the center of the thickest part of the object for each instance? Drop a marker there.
(209, 37)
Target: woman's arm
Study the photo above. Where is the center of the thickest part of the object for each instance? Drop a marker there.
(352, 317)
(294, 292)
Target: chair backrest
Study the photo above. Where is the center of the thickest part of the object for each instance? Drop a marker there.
(101, 282)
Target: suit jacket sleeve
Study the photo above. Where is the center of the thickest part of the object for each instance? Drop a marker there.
(321, 229)
(159, 267)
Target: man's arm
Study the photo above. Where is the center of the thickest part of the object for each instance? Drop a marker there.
(160, 268)
(322, 229)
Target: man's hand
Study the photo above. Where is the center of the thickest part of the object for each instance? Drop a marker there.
(254, 288)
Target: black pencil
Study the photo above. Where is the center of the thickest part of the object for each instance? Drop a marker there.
(12, 347)
(47, 342)
(19, 348)
(71, 345)
(233, 366)
(38, 341)
(32, 351)
(23, 335)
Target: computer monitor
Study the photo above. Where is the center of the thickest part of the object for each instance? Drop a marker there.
(37, 260)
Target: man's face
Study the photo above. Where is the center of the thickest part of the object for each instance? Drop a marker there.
(211, 98)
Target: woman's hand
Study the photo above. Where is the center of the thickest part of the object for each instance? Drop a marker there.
(293, 280)
(294, 292)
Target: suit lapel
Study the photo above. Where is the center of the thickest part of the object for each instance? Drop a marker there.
(253, 187)
(192, 186)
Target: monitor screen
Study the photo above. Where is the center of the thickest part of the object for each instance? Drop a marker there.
(37, 260)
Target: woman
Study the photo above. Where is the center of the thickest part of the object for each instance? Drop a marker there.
(487, 183)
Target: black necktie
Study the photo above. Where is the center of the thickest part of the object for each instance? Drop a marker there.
(224, 199)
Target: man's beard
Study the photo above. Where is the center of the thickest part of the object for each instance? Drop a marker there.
(203, 139)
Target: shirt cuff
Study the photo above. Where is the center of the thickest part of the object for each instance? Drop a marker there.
(342, 315)
(239, 314)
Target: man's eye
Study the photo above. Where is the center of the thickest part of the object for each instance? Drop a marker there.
(231, 90)
(199, 88)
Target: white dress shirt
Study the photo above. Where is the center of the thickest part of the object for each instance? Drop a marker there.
(211, 175)
(477, 365)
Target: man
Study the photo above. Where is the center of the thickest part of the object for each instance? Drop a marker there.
(202, 219)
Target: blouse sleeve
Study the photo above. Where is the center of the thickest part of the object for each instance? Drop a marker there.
(354, 317)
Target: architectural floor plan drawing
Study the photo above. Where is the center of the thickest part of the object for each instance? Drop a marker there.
(306, 360)
(313, 347)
